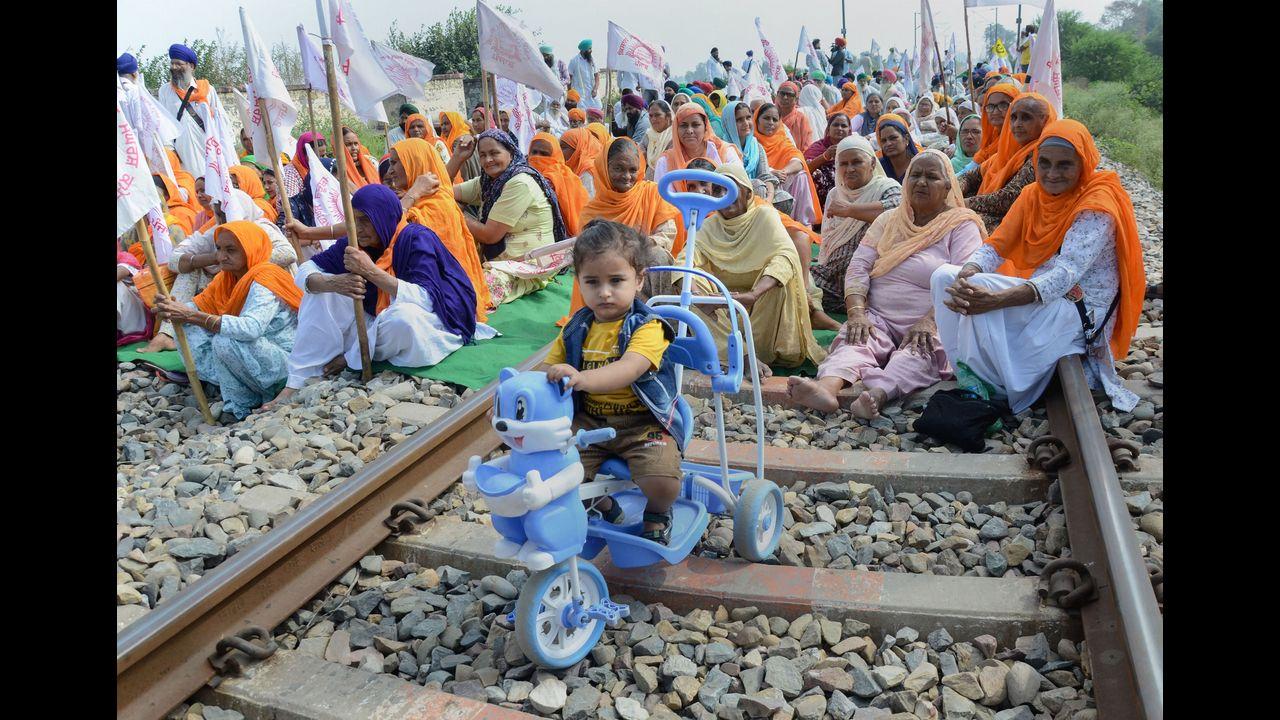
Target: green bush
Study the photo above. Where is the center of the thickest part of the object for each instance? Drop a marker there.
(1125, 130)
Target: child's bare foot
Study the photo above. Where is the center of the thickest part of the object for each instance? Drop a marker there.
(810, 393)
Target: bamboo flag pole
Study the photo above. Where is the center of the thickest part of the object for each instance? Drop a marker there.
(179, 333)
(942, 71)
(968, 50)
(311, 114)
(366, 364)
(279, 170)
(484, 92)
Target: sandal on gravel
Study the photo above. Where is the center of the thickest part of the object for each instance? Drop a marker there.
(173, 377)
(613, 515)
(663, 536)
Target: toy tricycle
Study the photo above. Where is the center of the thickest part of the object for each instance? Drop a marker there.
(536, 494)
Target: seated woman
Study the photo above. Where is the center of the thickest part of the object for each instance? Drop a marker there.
(739, 131)
(996, 100)
(1078, 282)
(814, 108)
(419, 305)
(694, 138)
(991, 189)
(186, 181)
(968, 140)
(927, 125)
(850, 102)
(600, 132)
(420, 127)
(787, 162)
(678, 100)
(241, 327)
(746, 246)
(359, 164)
(296, 186)
(896, 146)
(889, 346)
(246, 180)
(518, 213)
(580, 148)
(176, 211)
(861, 194)
(196, 261)
(821, 156)
(463, 163)
(864, 123)
(657, 139)
(132, 318)
(546, 157)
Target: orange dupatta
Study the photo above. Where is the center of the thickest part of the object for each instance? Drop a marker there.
(990, 138)
(780, 151)
(568, 186)
(251, 185)
(365, 173)
(185, 180)
(850, 107)
(600, 131)
(186, 219)
(586, 146)
(1033, 230)
(440, 212)
(1009, 156)
(226, 294)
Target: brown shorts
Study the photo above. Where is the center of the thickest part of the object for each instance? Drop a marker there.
(648, 449)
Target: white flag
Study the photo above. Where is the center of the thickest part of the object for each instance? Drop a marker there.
(313, 70)
(265, 83)
(410, 74)
(369, 84)
(1046, 60)
(517, 101)
(777, 74)
(755, 85)
(161, 243)
(995, 3)
(951, 62)
(153, 127)
(509, 51)
(135, 191)
(218, 160)
(325, 191)
(925, 56)
(628, 53)
(806, 49)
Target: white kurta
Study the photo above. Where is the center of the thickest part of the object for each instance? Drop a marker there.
(582, 77)
(407, 334)
(190, 143)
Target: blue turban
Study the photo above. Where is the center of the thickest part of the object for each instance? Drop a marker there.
(126, 64)
(584, 45)
(178, 51)
(544, 49)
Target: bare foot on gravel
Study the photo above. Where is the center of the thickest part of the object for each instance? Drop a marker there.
(823, 321)
(810, 393)
(284, 398)
(865, 406)
(159, 343)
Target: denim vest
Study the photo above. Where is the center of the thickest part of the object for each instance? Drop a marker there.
(656, 389)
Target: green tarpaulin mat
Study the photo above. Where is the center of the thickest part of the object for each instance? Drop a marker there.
(526, 324)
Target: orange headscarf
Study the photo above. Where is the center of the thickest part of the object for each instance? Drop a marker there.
(850, 107)
(600, 131)
(251, 185)
(990, 138)
(780, 151)
(568, 186)
(1033, 230)
(458, 126)
(577, 114)
(1009, 156)
(226, 294)
(365, 173)
(430, 132)
(177, 207)
(185, 180)
(440, 212)
(585, 148)
(676, 158)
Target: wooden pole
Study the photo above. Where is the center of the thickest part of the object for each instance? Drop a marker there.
(942, 71)
(311, 113)
(968, 54)
(275, 164)
(484, 93)
(608, 90)
(366, 364)
(179, 333)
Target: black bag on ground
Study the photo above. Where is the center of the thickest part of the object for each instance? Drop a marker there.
(959, 416)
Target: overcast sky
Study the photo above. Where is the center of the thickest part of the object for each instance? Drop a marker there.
(688, 28)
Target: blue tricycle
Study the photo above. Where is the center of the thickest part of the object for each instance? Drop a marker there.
(536, 493)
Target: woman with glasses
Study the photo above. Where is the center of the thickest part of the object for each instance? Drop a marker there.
(968, 140)
(991, 188)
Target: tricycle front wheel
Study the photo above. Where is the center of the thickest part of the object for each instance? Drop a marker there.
(546, 604)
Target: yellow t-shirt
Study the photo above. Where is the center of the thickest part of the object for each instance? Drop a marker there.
(601, 348)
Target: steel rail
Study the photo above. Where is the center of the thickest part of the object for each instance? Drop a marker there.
(1124, 629)
(163, 657)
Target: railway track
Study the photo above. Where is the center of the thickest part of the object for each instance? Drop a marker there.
(168, 655)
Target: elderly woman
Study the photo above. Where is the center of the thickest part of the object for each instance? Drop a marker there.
(694, 138)
(850, 101)
(889, 347)
(518, 213)
(813, 106)
(968, 140)
(864, 123)
(995, 108)
(861, 194)
(132, 319)
(896, 146)
(679, 100)
(580, 147)
(420, 127)
(788, 163)
(419, 305)
(546, 157)
(360, 165)
(739, 131)
(241, 327)
(821, 155)
(746, 246)
(657, 139)
(464, 165)
(992, 188)
(1076, 286)
(803, 134)
(196, 260)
